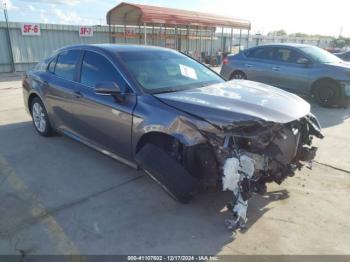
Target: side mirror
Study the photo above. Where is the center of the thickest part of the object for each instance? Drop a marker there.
(107, 88)
(304, 61)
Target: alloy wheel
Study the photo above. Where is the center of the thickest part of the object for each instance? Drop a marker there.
(39, 117)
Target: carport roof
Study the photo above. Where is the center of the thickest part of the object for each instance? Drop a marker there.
(137, 14)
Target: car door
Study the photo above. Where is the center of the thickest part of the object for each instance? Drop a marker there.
(103, 120)
(258, 65)
(61, 88)
(291, 71)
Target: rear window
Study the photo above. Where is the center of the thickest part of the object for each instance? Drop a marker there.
(66, 64)
(260, 53)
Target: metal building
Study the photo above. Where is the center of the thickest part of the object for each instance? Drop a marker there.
(173, 28)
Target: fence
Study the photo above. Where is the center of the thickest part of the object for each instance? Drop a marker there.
(28, 50)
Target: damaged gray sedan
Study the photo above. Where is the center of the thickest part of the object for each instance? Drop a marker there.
(179, 121)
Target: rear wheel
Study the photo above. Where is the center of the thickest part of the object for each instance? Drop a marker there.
(238, 75)
(40, 118)
(327, 93)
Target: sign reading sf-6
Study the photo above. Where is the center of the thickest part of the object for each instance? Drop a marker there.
(30, 29)
(86, 31)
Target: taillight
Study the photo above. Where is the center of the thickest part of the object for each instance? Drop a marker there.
(225, 61)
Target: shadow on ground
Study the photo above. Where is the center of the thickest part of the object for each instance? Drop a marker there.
(328, 117)
(102, 206)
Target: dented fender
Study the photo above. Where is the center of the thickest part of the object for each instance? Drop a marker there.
(184, 127)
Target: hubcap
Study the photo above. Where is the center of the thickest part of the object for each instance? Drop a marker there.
(39, 117)
(238, 76)
(326, 94)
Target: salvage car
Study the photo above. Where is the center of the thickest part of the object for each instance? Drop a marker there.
(182, 123)
(303, 69)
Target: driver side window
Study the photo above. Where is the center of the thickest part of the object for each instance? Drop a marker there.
(287, 55)
(96, 69)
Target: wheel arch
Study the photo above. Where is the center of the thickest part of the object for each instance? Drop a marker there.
(155, 138)
(199, 158)
(30, 99)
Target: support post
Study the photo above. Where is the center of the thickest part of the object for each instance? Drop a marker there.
(200, 43)
(205, 42)
(248, 39)
(175, 38)
(140, 34)
(9, 39)
(231, 38)
(164, 35)
(124, 33)
(110, 33)
(109, 28)
(240, 39)
(222, 39)
(145, 32)
(188, 40)
(211, 44)
(160, 35)
(196, 39)
(114, 33)
(153, 36)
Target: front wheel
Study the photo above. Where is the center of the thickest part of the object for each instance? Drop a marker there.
(40, 118)
(327, 93)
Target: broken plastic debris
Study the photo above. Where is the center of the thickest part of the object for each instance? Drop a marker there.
(231, 175)
(235, 170)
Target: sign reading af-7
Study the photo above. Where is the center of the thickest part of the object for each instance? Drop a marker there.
(86, 31)
(30, 29)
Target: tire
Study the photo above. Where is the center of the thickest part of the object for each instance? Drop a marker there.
(327, 93)
(168, 173)
(238, 75)
(40, 118)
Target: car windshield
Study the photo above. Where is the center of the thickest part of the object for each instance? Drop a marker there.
(320, 55)
(160, 71)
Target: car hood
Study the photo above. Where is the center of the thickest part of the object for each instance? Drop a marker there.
(342, 65)
(238, 101)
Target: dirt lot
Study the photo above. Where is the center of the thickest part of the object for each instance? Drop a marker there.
(60, 197)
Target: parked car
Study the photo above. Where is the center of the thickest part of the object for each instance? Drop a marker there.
(178, 120)
(344, 55)
(298, 68)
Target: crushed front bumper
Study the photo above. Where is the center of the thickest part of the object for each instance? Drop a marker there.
(250, 159)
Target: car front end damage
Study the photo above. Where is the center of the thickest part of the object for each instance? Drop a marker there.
(251, 154)
(239, 135)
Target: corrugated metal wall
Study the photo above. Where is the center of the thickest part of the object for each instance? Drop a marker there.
(28, 50)
(5, 58)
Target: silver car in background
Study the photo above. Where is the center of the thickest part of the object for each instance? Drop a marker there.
(302, 69)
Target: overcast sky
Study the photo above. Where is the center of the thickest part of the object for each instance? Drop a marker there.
(307, 16)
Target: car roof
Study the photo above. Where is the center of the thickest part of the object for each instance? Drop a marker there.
(285, 45)
(114, 48)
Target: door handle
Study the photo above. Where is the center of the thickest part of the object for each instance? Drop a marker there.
(78, 94)
(276, 68)
(248, 65)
